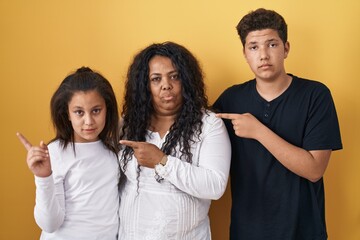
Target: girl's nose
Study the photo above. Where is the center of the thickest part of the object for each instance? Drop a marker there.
(89, 119)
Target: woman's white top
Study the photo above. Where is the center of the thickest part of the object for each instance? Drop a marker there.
(80, 199)
(177, 207)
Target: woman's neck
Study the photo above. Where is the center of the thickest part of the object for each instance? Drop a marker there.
(161, 124)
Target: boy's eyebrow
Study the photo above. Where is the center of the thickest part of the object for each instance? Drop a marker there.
(253, 42)
(266, 41)
(272, 40)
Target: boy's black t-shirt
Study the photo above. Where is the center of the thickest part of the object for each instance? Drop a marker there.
(269, 201)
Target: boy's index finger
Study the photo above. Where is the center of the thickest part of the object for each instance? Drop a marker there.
(230, 116)
(132, 144)
(24, 141)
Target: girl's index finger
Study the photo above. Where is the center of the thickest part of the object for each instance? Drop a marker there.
(24, 141)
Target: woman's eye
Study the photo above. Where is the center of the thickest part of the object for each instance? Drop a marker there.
(155, 79)
(175, 76)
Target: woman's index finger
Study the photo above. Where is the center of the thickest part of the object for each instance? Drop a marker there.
(132, 144)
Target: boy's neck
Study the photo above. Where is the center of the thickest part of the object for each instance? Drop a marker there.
(269, 90)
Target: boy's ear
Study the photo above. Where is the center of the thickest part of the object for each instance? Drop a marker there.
(287, 49)
(244, 54)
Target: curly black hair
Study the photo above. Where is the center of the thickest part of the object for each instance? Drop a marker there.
(138, 109)
(262, 19)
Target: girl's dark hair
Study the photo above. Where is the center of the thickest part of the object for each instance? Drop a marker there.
(262, 19)
(84, 79)
(138, 108)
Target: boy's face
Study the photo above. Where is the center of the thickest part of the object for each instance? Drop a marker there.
(265, 53)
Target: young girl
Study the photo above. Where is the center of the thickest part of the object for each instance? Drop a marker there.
(76, 175)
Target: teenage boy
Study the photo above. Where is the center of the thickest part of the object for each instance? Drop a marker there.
(283, 129)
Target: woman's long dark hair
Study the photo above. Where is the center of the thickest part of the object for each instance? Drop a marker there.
(138, 109)
(84, 79)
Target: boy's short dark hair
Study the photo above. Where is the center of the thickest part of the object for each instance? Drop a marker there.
(262, 19)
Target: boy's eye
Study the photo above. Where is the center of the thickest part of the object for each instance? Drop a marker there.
(272, 44)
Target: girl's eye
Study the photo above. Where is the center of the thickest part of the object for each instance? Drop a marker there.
(253, 47)
(79, 112)
(97, 110)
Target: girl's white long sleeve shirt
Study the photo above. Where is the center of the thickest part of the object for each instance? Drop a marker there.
(80, 200)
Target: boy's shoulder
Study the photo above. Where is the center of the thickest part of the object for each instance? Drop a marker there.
(244, 86)
(308, 84)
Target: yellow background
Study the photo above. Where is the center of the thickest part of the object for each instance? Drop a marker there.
(42, 41)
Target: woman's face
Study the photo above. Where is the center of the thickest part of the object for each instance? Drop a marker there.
(165, 86)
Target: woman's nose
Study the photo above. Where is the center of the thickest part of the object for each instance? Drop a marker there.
(166, 85)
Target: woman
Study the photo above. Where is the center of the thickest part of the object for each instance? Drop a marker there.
(176, 153)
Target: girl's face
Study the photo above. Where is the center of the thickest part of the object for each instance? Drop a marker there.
(165, 86)
(87, 113)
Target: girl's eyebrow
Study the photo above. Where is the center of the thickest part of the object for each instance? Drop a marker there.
(95, 106)
(79, 107)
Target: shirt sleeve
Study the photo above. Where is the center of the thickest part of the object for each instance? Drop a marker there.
(50, 204)
(322, 131)
(208, 178)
